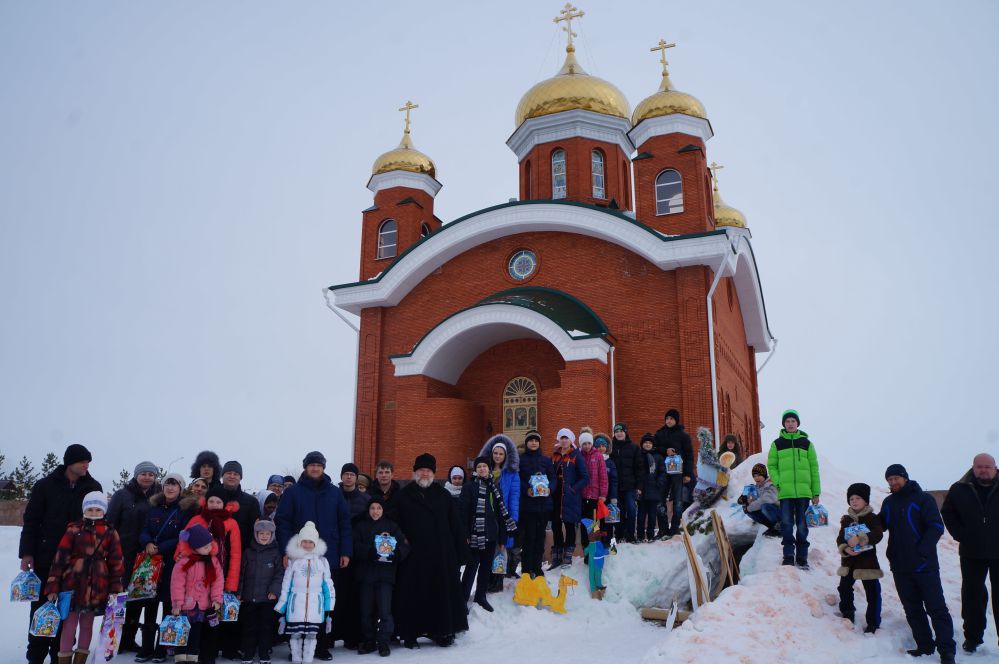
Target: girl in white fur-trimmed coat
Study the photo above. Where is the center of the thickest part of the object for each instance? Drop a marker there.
(306, 593)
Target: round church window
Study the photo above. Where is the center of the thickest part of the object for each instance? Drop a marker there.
(522, 264)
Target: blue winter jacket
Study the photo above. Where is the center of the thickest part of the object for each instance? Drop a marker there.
(571, 469)
(323, 503)
(611, 479)
(534, 463)
(913, 523)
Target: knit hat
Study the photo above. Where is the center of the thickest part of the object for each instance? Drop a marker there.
(482, 459)
(216, 491)
(674, 413)
(455, 470)
(233, 466)
(76, 453)
(648, 436)
(145, 467)
(275, 479)
(859, 489)
(425, 460)
(790, 413)
(896, 469)
(566, 433)
(96, 499)
(196, 536)
(761, 469)
(349, 468)
(621, 426)
(264, 525)
(309, 533)
(602, 439)
(288, 478)
(314, 457)
(175, 477)
(364, 480)
(377, 500)
(532, 435)
(585, 437)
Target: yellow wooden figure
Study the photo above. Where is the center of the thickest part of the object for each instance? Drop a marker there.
(528, 592)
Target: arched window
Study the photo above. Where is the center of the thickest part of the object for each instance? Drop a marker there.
(669, 192)
(558, 174)
(424, 230)
(597, 169)
(387, 239)
(527, 180)
(520, 409)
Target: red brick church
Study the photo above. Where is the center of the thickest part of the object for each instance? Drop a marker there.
(583, 302)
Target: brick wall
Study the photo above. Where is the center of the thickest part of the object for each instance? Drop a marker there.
(536, 172)
(698, 205)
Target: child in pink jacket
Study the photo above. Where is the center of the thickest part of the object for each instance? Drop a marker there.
(196, 587)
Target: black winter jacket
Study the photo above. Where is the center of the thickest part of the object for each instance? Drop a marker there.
(679, 440)
(260, 571)
(52, 506)
(626, 457)
(467, 504)
(370, 568)
(247, 515)
(127, 514)
(533, 462)
(391, 512)
(652, 483)
(162, 527)
(970, 521)
(914, 526)
(357, 503)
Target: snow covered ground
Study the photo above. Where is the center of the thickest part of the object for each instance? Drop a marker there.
(776, 614)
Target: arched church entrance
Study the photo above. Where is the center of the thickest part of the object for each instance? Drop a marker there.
(520, 409)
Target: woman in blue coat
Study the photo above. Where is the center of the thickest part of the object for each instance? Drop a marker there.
(567, 505)
(506, 475)
(537, 485)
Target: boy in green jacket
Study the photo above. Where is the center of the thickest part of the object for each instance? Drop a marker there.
(794, 470)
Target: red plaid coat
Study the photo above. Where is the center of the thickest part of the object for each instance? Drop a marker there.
(88, 562)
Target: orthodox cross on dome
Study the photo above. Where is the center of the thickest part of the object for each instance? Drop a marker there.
(408, 107)
(662, 54)
(715, 167)
(567, 14)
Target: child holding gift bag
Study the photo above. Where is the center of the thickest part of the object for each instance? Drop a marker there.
(379, 545)
(196, 587)
(89, 563)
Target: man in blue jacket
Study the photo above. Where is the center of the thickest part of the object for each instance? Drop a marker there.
(912, 521)
(315, 498)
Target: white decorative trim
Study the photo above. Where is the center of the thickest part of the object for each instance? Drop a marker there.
(420, 181)
(450, 347)
(665, 253)
(570, 124)
(675, 123)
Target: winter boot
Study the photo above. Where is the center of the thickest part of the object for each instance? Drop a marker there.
(946, 658)
(495, 583)
(555, 559)
(484, 603)
(567, 557)
(365, 647)
(80, 656)
(383, 649)
(308, 649)
(66, 657)
(149, 633)
(296, 648)
(513, 560)
(919, 652)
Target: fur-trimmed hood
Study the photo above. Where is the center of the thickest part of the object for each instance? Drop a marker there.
(209, 457)
(187, 502)
(512, 456)
(296, 552)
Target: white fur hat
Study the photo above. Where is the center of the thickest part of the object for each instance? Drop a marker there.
(566, 433)
(95, 499)
(309, 533)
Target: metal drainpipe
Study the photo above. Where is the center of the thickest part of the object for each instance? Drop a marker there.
(329, 305)
(711, 335)
(769, 357)
(353, 425)
(613, 413)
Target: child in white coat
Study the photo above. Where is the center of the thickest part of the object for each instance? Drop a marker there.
(306, 593)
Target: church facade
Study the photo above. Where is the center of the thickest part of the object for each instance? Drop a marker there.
(616, 286)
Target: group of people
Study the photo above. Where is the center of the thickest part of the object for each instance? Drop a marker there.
(371, 561)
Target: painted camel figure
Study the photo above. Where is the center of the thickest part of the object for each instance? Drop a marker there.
(529, 592)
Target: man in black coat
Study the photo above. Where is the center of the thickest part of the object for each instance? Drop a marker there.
(672, 439)
(911, 519)
(127, 514)
(626, 456)
(971, 514)
(428, 599)
(55, 500)
(386, 488)
(245, 516)
(346, 618)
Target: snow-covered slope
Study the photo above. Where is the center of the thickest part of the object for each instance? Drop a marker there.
(776, 614)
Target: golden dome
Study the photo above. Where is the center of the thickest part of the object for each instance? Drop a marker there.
(668, 101)
(572, 88)
(726, 215)
(404, 158)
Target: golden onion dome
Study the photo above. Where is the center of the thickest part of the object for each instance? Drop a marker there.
(404, 158)
(570, 89)
(725, 215)
(667, 100)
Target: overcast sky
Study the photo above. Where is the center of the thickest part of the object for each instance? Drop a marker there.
(179, 181)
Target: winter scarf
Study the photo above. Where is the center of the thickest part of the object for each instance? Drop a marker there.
(487, 490)
(206, 561)
(216, 522)
(455, 491)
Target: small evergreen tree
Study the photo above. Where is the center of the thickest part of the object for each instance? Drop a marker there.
(49, 463)
(3, 458)
(122, 480)
(24, 478)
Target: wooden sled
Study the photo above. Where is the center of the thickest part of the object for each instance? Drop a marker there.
(729, 573)
(699, 590)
